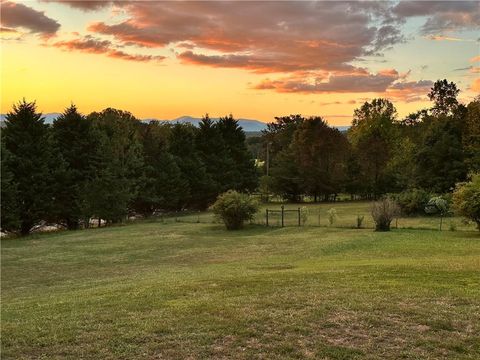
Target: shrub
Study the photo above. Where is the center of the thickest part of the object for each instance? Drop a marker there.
(466, 199)
(360, 221)
(383, 212)
(412, 201)
(437, 205)
(452, 226)
(234, 208)
(332, 216)
(304, 215)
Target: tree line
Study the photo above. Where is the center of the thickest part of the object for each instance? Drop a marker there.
(107, 165)
(430, 150)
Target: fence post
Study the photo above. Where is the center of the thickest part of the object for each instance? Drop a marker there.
(298, 216)
(282, 214)
(266, 213)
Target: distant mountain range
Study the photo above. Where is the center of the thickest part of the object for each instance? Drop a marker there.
(248, 125)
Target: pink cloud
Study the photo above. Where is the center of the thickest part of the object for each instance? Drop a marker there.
(350, 83)
(17, 15)
(93, 45)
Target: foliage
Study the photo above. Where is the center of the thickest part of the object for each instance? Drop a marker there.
(471, 135)
(118, 165)
(318, 151)
(242, 170)
(201, 186)
(29, 165)
(452, 226)
(10, 217)
(466, 199)
(444, 96)
(74, 149)
(437, 205)
(332, 216)
(440, 160)
(372, 136)
(234, 208)
(412, 201)
(304, 215)
(265, 186)
(383, 212)
(163, 188)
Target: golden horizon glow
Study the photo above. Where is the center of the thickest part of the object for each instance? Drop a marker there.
(42, 68)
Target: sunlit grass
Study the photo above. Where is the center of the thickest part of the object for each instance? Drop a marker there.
(193, 290)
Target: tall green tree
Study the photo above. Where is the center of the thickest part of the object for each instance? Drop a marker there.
(118, 162)
(444, 97)
(74, 148)
(284, 178)
(320, 152)
(182, 145)
(242, 171)
(162, 186)
(439, 161)
(211, 149)
(471, 136)
(29, 163)
(10, 206)
(372, 136)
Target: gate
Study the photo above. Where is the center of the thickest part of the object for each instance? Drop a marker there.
(284, 217)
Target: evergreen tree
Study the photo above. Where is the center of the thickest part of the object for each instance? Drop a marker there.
(118, 162)
(320, 153)
(243, 172)
(10, 217)
(213, 153)
(29, 162)
(74, 148)
(200, 185)
(162, 187)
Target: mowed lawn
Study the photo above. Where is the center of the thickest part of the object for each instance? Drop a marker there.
(195, 291)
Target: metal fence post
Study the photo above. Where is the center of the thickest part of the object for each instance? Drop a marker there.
(282, 215)
(298, 216)
(266, 216)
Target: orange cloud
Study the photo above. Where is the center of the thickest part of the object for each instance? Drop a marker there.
(350, 83)
(475, 59)
(475, 85)
(92, 45)
(295, 36)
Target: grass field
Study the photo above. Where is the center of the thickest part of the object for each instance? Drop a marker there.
(177, 290)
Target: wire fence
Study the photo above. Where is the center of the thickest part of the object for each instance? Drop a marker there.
(291, 215)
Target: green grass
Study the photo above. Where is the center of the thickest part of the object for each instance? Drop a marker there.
(178, 291)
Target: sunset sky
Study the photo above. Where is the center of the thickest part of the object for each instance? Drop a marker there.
(252, 59)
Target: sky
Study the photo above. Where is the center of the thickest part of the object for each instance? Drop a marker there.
(257, 60)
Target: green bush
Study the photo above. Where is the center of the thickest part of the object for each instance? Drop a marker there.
(234, 208)
(437, 205)
(412, 201)
(304, 215)
(332, 216)
(383, 212)
(466, 199)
